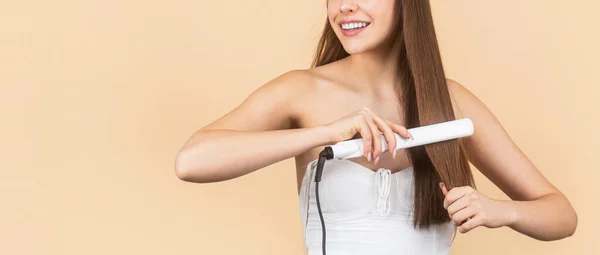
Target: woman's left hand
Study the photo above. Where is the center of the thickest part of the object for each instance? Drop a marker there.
(469, 209)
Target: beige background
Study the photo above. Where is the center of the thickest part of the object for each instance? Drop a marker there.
(98, 96)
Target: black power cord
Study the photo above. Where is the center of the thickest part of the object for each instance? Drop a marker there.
(324, 155)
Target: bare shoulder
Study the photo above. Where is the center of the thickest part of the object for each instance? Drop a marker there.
(461, 97)
(304, 93)
(296, 93)
(288, 83)
(298, 81)
(300, 85)
(271, 106)
(467, 104)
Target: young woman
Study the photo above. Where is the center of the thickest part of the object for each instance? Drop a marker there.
(377, 70)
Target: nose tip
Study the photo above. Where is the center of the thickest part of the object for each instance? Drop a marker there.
(348, 7)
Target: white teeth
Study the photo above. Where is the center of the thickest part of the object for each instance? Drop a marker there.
(347, 26)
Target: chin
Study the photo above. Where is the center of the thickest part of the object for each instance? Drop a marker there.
(356, 48)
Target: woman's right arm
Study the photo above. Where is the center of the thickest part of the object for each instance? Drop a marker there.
(252, 136)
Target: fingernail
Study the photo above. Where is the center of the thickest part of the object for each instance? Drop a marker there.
(394, 154)
(369, 157)
(411, 137)
(441, 185)
(376, 160)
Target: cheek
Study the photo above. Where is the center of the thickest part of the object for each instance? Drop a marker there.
(331, 19)
(384, 21)
(382, 11)
(332, 9)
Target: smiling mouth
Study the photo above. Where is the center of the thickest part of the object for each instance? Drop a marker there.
(354, 25)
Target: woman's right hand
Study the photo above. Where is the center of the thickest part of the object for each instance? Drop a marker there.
(370, 127)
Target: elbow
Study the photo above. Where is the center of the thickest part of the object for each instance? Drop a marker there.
(190, 167)
(571, 222)
(573, 225)
(186, 171)
(182, 171)
(569, 227)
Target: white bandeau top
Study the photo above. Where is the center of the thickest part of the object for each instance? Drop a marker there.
(366, 212)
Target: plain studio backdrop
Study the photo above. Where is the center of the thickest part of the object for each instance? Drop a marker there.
(98, 96)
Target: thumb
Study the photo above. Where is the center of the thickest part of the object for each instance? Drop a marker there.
(443, 187)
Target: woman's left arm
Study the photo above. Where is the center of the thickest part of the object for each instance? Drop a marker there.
(537, 209)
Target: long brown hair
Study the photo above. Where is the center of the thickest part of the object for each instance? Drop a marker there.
(423, 92)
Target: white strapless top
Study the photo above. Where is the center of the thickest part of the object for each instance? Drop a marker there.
(366, 212)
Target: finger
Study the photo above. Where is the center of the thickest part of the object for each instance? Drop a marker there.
(458, 205)
(401, 130)
(478, 220)
(461, 216)
(365, 133)
(443, 187)
(455, 194)
(387, 132)
(376, 135)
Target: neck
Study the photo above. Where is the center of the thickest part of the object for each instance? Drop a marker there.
(374, 70)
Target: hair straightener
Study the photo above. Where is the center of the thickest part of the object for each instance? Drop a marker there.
(422, 135)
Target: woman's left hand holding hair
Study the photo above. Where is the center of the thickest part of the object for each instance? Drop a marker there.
(469, 209)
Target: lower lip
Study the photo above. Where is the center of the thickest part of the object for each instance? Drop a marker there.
(353, 32)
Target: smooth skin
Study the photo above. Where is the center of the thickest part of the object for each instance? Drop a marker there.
(301, 111)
